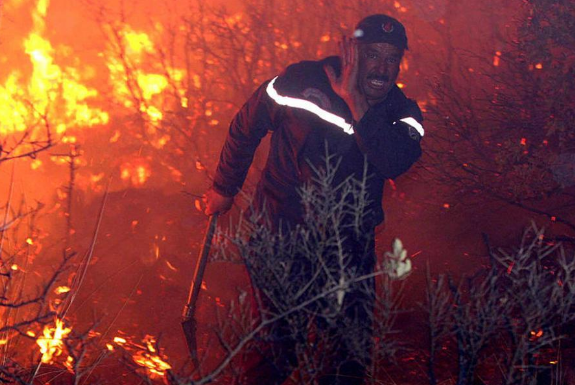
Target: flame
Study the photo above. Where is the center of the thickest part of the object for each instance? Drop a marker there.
(170, 266)
(61, 289)
(120, 340)
(52, 340)
(149, 358)
(50, 90)
(156, 250)
(132, 86)
(69, 364)
(135, 172)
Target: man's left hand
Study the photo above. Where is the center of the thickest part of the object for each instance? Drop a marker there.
(346, 85)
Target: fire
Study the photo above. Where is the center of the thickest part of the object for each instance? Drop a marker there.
(61, 289)
(138, 88)
(52, 340)
(52, 90)
(135, 172)
(69, 364)
(149, 359)
(496, 59)
(146, 355)
(120, 340)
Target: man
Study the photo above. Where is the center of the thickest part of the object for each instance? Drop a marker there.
(351, 106)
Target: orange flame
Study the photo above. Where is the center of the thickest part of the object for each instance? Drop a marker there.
(137, 173)
(149, 358)
(143, 89)
(536, 334)
(69, 364)
(52, 341)
(47, 83)
(61, 289)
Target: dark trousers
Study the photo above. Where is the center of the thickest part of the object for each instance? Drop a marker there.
(328, 342)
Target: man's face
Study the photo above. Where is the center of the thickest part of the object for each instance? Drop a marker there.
(378, 70)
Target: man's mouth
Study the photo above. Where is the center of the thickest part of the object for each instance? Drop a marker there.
(378, 82)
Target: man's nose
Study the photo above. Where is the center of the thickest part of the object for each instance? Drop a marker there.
(382, 68)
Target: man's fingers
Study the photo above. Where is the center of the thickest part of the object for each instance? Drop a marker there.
(329, 71)
(349, 43)
(344, 51)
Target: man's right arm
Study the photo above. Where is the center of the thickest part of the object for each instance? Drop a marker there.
(246, 131)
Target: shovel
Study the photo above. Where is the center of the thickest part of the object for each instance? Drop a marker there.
(189, 321)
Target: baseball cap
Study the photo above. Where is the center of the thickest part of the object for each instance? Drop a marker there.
(380, 28)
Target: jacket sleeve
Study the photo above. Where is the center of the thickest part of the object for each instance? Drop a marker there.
(390, 144)
(246, 131)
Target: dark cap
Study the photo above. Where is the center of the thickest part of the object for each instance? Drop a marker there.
(381, 29)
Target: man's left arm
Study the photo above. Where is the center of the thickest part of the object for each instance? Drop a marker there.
(391, 143)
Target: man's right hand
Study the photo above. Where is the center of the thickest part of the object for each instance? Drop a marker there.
(216, 203)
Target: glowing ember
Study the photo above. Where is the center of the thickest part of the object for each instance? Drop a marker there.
(61, 289)
(120, 340)
(170, 266)
(52, 341)
(150, 360)
(137, 174)
(69, 364)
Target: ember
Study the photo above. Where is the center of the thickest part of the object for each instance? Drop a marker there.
(150, 359)
(61, 289)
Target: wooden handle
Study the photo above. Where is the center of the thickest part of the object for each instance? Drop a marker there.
(196, 285)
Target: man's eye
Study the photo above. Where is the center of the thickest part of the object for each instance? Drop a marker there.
(392, 60)
(371, 56)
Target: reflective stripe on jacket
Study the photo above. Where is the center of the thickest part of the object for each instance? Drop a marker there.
(304, 115)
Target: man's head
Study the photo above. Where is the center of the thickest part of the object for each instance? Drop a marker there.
(381, 42)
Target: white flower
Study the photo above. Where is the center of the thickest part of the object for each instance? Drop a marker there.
(396, 264)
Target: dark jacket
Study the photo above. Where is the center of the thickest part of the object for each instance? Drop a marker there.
(293, 107)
